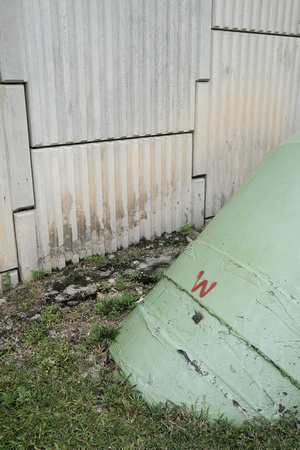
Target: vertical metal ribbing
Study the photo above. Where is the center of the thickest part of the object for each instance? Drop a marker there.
(250, 105)
(95, 198)
(100, 70)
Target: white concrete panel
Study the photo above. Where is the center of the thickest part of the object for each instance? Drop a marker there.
(12, 68)
(8, 251)
(198, 202)
(95, 198)
(26, 243)
(15, 146)
(112, 68)
(259, 16)
(8, 279)
(250, 105)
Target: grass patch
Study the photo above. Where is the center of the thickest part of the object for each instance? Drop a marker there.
(102, 334)
(39, 274)
(50, 314)
(35, 334)
(47, 403)
(187, 229)
(120, 283)
(113, 307)
(6, 281)
(95, 258)
(58, 389)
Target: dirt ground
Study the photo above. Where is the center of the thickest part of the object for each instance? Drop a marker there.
(73, 293)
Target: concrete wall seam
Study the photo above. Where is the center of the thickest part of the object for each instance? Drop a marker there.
(257, 16)
(16, 188)
(108, 70)
(249, 106)
(96, 198)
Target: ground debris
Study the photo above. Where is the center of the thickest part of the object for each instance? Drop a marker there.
(77, 289)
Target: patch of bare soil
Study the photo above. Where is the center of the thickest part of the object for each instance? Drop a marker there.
(75, 291)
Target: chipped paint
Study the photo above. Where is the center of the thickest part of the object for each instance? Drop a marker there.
(193, 363)
(242, 359)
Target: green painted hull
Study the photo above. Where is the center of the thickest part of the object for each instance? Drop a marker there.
(221, 330)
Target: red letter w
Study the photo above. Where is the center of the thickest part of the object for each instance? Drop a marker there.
(203, 285)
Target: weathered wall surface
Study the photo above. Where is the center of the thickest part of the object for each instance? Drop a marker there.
(110, 69)
(109, 195)
(257, 16)
(135, 116)
(12, 67)
(252, 100)
(16, 184)
(99, 71)
(250, 105)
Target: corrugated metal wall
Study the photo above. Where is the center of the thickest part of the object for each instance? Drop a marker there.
(100, 70)
(109, 69)
(95, 198)
(97, 71)
(258, 16)
(250, 104)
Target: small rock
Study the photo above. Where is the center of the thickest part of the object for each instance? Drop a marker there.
(163, 259)
(73, 303)
(2, 301)
(139, 290)
(105, 274)
(129, 272)
(92, 371)
(53, 334)
(5, 330)
(35, 317)
(59, 299)
(99, 409)
(194, 235)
